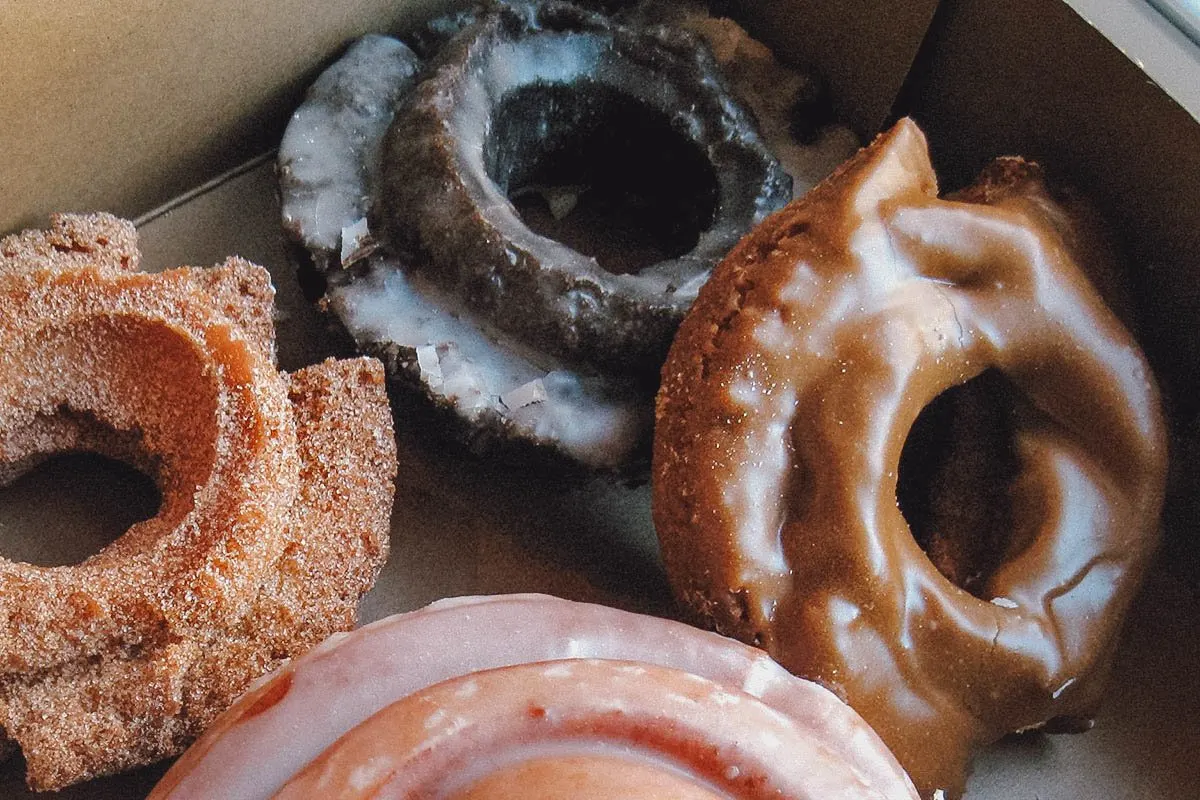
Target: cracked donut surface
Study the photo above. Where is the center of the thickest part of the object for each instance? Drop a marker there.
(787, 400)
(276, 493)
(535, 697)
(422, 236)
(548, 94)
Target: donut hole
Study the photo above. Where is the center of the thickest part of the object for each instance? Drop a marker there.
(956, 473)
(139, 393)
(91, 498)
(601, 172)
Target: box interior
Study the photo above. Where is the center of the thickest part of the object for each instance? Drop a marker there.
(142, 106)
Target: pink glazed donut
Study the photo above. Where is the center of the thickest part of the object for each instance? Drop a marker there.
(531, 696)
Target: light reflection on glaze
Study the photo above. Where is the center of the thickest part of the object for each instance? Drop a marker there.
(257, 747)
(894, 296)
(688, 736)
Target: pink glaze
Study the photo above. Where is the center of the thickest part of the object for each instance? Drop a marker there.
(271, 734)
(682, 733)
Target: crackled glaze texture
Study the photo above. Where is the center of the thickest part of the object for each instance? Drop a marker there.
(555, 187)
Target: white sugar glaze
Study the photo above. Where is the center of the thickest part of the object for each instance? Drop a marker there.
(329, 155)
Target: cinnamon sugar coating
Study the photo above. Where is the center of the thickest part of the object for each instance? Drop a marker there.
(276, 493)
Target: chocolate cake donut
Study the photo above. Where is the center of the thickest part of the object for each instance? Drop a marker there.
(551, 95)
(472, 246)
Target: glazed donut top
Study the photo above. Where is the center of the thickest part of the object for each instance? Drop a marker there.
(473, 693)
(788, 398)
(276, 491)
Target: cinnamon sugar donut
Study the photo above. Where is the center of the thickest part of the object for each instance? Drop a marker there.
(523, 693)
(276, 492)
(786, 402)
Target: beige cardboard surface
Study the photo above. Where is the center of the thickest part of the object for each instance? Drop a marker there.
(126, 103)
(863, 49)
(461, 527)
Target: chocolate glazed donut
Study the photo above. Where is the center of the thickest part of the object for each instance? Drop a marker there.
(548, 94)
(786, 402)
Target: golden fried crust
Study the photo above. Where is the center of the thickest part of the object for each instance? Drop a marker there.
(276, 496)
(244, 294)
(97, 241)
(317, 582)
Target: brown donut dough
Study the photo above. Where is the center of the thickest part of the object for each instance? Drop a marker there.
(786, 402)
(276, 494)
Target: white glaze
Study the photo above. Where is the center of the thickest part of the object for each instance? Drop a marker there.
(330, 151)
(466, 361)
(329, 165)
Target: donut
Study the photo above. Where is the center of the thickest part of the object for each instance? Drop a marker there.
(422, 240)
(276, 494)
(468, 696)
(785, 405)
(793, 108)
(548, 94)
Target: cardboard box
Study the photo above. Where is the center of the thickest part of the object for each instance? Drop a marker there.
(124, 106)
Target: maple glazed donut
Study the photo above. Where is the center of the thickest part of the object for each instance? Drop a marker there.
(525, 696)
(276, 494)
(785, 406)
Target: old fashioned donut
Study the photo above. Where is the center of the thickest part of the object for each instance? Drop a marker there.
(548, 94)
(786, 402)
(276, 494)
(531, 689)
(420, 246)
